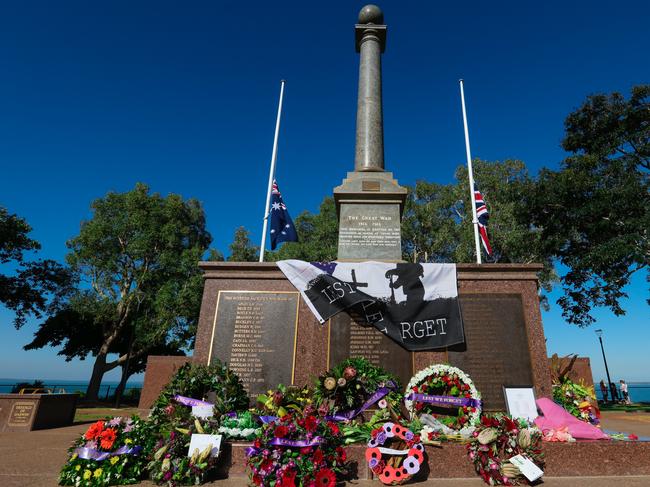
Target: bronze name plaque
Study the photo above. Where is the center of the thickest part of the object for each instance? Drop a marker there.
(349, 339)
(255, 333)
(21, 413)
(496, 351)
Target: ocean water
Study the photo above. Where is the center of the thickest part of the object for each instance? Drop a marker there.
(106, 388)
(639, 391)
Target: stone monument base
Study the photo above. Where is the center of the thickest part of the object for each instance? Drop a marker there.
(27, 412)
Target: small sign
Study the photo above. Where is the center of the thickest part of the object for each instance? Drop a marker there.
(21, 413)
(527, 468)
(203, 412)
(201, 442)
(520, 402)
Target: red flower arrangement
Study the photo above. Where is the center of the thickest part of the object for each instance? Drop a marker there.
(297, 450)
(495, 441)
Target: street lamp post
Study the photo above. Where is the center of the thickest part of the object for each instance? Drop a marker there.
(610, 384)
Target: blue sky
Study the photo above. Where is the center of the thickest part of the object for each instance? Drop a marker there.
(95, 97)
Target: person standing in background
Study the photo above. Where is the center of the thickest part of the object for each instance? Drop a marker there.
(603, 390)
(614, 391)
(626, 394)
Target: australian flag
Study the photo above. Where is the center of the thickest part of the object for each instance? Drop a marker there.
(483, 216)
(282, 229)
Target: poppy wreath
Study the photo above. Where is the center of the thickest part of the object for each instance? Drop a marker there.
(394, 453)
(446, 401)
(495, 441)
(108, 453)
(297, 450)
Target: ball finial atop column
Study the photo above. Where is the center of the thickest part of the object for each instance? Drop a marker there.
(371, 14)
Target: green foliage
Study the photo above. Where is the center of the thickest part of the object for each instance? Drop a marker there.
(284, 399)
(317, 236)
(30, 386)
(593, 214)
(241, 248)
(30, 287)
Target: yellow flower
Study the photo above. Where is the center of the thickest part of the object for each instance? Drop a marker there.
(98, 473)
(73, 457)
(128, 441)
(114, 460)
(87, 474)
(77, 468)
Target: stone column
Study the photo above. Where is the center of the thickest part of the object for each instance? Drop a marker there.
(370, 43)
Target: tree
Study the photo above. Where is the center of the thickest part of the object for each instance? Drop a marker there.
(594, 213)
(31, 287)
(317, 236)
(141, 286)
(437, 227)
(241, 248)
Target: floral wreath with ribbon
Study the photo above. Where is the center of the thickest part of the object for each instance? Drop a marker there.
(109, 452)
(353, 386)
(496, 440)
(445, 400)
(297, 449)
(394, 453)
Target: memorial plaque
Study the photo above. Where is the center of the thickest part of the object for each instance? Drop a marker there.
(349, 339)
(21, 413)
(496, 349)
(369, 231)
(255, 333)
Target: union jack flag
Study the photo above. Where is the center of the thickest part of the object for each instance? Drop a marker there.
(483, 216)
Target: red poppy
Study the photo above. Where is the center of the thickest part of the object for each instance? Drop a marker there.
(95, 430)
(632, 436)
(341, 453)
(108, 438)
(334, 428)
(281, 431)
(257, 480)
(306, 450)
(318, 457)
(311, 423)
(325, 478)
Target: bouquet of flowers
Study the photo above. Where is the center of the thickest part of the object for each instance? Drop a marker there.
(297, 450)
(171, 465)
(577, 399)
(351, 385)
(108, 453)
(239, 426)
(495, 441)
(283, 399)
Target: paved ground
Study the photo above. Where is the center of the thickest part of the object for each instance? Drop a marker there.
(34, 459)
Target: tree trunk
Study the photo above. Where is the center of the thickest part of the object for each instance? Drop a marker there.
(92, 393)
(120, 387)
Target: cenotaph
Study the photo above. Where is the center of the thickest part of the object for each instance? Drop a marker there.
(256, 321)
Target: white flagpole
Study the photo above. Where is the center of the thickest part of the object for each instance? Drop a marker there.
(271, 172)
(471, 176)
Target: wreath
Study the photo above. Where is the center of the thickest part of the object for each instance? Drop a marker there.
(171, 464)
(108, 453)
(283, 399)
(386, 449)
(301, 449)
(495, 441)
(445, 400)
(353, 386)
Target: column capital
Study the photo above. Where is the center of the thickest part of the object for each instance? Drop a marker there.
(363, 32)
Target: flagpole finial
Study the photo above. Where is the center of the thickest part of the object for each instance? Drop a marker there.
(371, 14)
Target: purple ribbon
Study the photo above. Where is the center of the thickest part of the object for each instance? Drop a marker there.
(251, 450)
(352, 413)
(188, 401)
(445, 400)
(92, 454)
(267, 419)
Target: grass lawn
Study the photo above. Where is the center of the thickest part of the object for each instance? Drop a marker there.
(93, 414)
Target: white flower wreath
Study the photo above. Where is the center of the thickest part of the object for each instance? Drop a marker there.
(443, 369)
